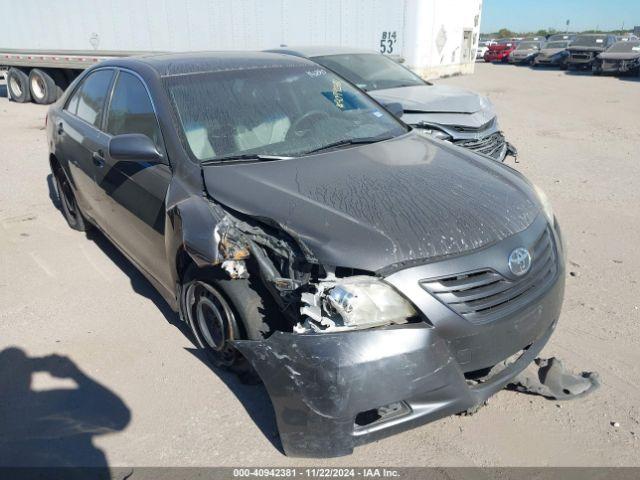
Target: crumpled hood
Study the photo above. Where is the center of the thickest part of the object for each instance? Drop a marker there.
(550, 52)
(433, 99)
(578, 48)
(372, 206)
(619, 55)
(523, 53)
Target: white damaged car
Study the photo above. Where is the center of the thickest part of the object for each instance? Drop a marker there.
(459, 116)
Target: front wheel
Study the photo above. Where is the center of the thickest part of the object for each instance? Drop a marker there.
(220, 310)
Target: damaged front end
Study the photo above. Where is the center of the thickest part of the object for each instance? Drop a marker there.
(365, 355)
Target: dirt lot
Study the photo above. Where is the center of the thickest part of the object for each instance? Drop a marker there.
(65, 294)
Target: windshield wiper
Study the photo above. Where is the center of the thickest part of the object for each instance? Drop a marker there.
(349, 141)
(246, 157)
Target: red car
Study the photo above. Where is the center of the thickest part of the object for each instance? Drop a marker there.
(500, 51)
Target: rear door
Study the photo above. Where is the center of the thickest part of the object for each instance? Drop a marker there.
(132, 193)
(80, 138)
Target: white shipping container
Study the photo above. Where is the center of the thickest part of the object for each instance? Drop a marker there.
(435, 37)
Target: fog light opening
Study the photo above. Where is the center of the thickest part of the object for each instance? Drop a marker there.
(381, 414)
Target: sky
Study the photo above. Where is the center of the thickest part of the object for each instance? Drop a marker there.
(533, 15)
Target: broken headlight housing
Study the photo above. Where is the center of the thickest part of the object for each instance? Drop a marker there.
(545, 204)
(354, 303)
(439, 134)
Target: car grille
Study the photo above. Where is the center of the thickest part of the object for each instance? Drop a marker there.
(485, 295)
(612, 64)
(491, 145)
(582, 56)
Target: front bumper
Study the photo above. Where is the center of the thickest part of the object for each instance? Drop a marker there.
(617, 66)
(331, 392)
(496, 57)
(521, 60)
(550, 61)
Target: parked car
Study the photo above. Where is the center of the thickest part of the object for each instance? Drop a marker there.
(622, 58)
(482, 49)
(500, 51)
(363, 269)
(464, 118)
(526, 52)
(553, 54)
(585, 48)
(557, 37)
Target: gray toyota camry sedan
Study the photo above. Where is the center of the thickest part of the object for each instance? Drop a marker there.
(374, 278)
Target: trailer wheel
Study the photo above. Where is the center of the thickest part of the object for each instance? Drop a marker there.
(18, 85)
(44, 89)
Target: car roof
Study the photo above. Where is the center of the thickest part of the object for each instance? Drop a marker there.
(172, 64)
(318, 51)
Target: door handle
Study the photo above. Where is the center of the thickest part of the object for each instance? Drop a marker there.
(60, 128)
(98, 158)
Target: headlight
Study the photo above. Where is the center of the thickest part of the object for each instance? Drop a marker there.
(439, 134)
(545, 204)
(355, 303)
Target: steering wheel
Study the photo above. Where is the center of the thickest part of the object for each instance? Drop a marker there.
(297, 126)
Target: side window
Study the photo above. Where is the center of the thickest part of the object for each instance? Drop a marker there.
(131, 110)
(88, 101)
(72, 106)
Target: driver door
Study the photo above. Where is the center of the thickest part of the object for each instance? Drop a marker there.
(133, 192)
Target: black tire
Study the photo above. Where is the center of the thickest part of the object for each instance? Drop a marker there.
(219, 310)
(44, 89)
(18, 85)
(68, 204)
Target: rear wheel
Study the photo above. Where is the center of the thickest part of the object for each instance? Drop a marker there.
(68, 203)
(43, 86)
(18, 85)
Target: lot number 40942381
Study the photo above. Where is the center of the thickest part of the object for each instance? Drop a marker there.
(388, 41)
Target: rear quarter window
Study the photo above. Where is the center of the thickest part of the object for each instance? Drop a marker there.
(88, 100)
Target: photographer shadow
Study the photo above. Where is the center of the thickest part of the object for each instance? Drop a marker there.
(54, 428)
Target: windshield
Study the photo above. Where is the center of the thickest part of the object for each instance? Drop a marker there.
(589, 41)
(625, 47)
(284, 111)
(528, 45)
(370, 71)
(557, 45)
(506, 42)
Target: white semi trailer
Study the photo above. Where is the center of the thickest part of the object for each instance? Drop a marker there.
(44, 44)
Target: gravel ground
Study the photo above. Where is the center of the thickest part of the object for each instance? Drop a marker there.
(64, 294)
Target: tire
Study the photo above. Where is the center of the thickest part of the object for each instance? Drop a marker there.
(18, 85)
(68, 204)
(219, 310)
(44, 89)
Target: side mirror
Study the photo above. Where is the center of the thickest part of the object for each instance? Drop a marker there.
(133, 146)
(395, 108)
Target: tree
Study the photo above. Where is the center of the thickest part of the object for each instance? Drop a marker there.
(505, 33)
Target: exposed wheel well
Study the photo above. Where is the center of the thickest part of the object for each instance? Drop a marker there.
(183, 263)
